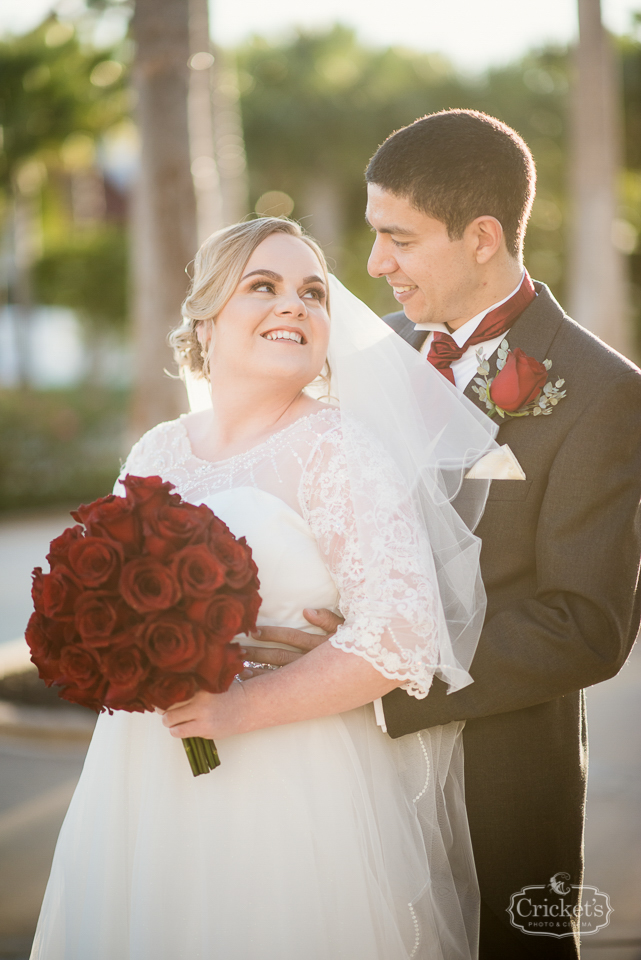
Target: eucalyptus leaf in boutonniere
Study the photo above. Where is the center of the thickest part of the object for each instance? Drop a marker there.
(519, 387)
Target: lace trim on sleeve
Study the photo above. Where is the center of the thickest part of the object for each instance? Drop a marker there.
(378, 561)
(154, 454)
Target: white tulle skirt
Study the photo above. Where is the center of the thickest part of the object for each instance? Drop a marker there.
(307, 842)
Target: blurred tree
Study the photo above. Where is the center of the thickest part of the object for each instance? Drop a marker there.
(209, 206)
(597, 282)
(89, 274)
(229, 137)
(164, 212)
(628, 224)
(56, 97)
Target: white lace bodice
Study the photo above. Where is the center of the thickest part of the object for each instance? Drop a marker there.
(385, 593)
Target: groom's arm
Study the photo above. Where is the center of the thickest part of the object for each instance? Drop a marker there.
(580, 626)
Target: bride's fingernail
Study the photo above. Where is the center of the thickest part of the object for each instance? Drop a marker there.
(243, 652)
(256, 633)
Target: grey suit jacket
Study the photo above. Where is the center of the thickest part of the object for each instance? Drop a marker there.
(560, 561)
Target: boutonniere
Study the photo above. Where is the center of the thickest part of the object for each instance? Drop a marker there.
(519, 388)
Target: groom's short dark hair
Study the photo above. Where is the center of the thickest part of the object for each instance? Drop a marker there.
(458, 165)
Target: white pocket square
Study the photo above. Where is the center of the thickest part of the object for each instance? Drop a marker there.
(499, 464)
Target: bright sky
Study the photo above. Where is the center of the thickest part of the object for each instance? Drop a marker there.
(474, 33)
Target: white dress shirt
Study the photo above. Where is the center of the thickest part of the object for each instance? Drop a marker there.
(465, 368)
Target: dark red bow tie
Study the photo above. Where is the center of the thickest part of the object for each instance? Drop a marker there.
(444, 350)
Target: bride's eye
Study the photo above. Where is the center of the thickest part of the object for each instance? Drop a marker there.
(263, 286)
(317, 293)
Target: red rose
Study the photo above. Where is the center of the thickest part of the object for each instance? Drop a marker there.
(219, 666)
(147, 585)
(80, 667)
(95, 561)
(60, 546)
(221, 617)
(125, 667)
(125, 664)
(37, 587)
(174, 527)
(114, 518)
(236, 556)
(198, 572)
(166, 689)
(172, 643)
(148, 494)
(85, 697)
(60, 591)
(217, 530)
(519, 382)
(98, 616)
(252, 602)
(45, 639)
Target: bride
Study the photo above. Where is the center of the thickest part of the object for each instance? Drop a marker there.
(318, 837)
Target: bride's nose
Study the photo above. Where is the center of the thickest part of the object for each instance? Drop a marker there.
(291, 305)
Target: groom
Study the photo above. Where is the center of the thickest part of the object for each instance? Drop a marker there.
(449, 198)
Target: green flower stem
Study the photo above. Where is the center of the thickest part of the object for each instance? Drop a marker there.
(202, 755)
(212, 754)
(200, 751)
(192, 756)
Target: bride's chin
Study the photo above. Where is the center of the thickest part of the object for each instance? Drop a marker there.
(291, 374)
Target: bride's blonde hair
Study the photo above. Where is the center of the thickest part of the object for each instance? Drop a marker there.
(218, 269)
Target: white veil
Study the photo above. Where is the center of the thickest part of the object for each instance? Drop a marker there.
(433, 435)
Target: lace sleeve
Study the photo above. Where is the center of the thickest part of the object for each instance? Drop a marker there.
(380, 562)
(146, 458)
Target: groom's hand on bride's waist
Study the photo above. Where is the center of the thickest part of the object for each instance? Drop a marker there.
(304, 642)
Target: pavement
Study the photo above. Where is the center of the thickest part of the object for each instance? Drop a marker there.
(41, 757)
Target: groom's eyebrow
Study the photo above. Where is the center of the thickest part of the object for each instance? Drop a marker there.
(403, 231)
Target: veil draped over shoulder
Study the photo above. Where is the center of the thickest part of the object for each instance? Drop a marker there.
(433, 435)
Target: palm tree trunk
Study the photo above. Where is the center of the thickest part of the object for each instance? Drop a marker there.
(164, 210)
(229, 139)
(201, 123)
(598, 289)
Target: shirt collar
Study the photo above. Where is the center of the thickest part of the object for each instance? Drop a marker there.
(464, 332)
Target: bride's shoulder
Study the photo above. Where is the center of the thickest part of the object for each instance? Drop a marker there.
(161, 437)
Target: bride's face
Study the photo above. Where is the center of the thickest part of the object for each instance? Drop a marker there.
(275, 325)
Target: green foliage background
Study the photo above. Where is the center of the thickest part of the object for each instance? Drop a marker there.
(59, 446)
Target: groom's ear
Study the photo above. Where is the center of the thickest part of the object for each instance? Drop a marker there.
(485, 237)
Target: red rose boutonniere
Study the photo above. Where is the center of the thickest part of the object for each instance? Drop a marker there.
(519, 387)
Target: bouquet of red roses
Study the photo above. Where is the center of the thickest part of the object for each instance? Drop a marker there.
(140, 607)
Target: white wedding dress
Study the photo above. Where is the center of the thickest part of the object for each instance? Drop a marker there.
(312, 841)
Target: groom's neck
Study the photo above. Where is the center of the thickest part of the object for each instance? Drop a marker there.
(487, 287)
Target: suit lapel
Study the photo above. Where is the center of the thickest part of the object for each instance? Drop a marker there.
(533, 332)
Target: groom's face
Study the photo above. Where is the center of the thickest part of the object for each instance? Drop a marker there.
(433, 277)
